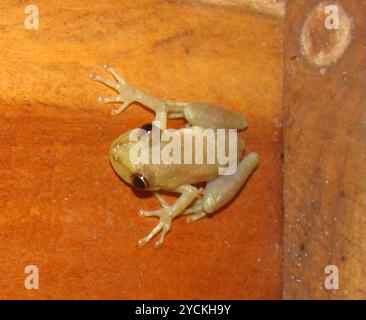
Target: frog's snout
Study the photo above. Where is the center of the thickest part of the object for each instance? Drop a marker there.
(115, 151)
(118, 156)
(117, 148)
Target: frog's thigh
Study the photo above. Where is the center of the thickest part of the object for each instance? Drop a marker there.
(223, 189)
(205, 115)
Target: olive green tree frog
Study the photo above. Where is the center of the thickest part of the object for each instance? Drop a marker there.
(194, 202)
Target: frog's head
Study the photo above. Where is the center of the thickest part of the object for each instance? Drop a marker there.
(137, 175)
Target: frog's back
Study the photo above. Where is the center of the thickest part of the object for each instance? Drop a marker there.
(192, 170)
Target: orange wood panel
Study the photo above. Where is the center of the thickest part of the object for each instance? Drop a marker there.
(63, 209)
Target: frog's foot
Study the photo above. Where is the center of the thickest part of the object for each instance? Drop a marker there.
(127, 94)
(163, 226)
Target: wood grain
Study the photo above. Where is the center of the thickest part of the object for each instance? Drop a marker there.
(324, 168)
(62, 207)
(276, 8)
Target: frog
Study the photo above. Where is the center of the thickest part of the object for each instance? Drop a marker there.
(184, 180)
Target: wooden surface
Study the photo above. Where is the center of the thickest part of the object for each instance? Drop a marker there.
(324, 168)
(276, 8)
(63, 209)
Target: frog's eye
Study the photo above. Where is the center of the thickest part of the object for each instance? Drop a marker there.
(139, 181)
(147, 127)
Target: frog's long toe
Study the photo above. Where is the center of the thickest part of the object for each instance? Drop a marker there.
(164, 227)
(154, 232)
(163, 203)
(147, 213)
(115, 74)
(115, 99)
(112, 84)
(109, 99)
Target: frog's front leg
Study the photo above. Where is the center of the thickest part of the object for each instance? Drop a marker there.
(168, 213)
(222, 190)
(128, 94)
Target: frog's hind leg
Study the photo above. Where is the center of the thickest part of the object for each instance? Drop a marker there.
(222, 190)
(205, 115)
